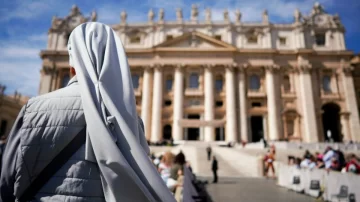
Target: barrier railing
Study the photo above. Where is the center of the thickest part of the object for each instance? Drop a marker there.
(316, 146)
(331, 186)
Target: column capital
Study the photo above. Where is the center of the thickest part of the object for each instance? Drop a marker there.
(157, 66)
(180, 66)
(208, 66)
(242, 68)
(272, 68)
(347, 70)
(231, 66)
(304, 68)
(148, 67)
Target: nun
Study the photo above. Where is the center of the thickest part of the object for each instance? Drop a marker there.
(84, 142)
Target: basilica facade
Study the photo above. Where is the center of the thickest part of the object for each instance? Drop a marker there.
(229, 80)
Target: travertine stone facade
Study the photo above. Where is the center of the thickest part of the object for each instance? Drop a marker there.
(10, 106)
(230, 80)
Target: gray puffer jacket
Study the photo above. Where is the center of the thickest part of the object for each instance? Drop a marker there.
(45, 125)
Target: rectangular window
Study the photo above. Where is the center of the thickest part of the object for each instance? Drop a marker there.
(194, 80)
(135, 39)
(194, 102)
(282, 41)
(327, 84)
(218, 37)
(169, 84)
(3, 127)
(135, 80)
(254, 83)
(320, 39)
(219, 84)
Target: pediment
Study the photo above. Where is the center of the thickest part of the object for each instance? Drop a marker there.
(195, 40)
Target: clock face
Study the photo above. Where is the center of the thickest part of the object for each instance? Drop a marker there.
(75, 21)
(320, 20)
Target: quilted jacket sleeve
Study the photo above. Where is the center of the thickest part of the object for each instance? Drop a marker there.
(8, 172)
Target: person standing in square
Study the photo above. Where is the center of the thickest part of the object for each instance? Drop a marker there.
(214, 168)
(208, 150)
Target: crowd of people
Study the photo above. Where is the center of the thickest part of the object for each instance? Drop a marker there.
(330, 159)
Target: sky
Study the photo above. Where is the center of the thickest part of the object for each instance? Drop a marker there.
(25, 23)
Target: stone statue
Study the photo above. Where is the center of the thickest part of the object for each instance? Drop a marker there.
(161, 14)
(265, 16)
(317, 9)
(151, 15)
(179, 15)
(53, 21)
(237, 16)
(336, 20)
(226, 15)
(297, 16)
(194, 12)
(123, 17)
(93, 16)
(74, 10)
(208, 15)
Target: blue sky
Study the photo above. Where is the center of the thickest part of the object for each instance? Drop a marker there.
(24, 25)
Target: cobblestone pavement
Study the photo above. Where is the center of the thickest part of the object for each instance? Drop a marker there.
(251, 190)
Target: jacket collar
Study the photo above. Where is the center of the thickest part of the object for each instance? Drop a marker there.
(72, 80)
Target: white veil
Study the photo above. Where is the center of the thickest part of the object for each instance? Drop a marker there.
(115, 134)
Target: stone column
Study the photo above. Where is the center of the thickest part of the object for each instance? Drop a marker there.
(243, 105)
(265, 127)
(351, 104)
(209, 103)
(156, 123)
(273, 103)
(231, 129)
(146, 101)
(310, 133)
(178, 103)
(345, 126)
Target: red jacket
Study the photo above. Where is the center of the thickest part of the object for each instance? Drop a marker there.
(355, 163)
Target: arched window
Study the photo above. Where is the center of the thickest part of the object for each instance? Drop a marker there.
(135, 80)
(286, 83)
(254, 83)
(219, 83)
(194, 80)
(65, 80)
(327, 84)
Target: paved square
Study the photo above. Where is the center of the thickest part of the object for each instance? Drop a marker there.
(252, 190)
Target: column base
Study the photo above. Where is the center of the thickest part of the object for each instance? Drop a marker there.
(209, 134)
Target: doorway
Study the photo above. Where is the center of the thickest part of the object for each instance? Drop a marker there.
(167, 132)
(331, 122)
(257, 130)
(193, 133)
(220, 134)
